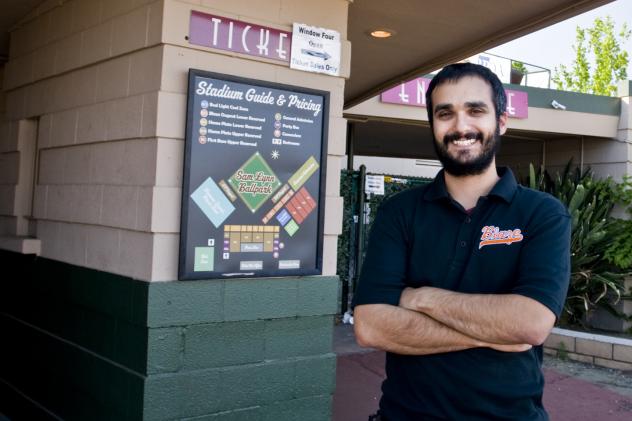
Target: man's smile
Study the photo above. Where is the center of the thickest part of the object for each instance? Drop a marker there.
(464, 142)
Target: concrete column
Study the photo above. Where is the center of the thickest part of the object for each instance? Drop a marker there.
(624, 130)
(95, 335)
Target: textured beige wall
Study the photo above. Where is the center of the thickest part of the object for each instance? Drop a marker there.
(179, 56)
(607, 156)
(87, 72)
(105, 82)
(519, 153)
(8, 170)
(566, 122)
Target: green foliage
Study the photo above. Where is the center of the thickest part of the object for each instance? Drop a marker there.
(348, 191)
(519, 66)
(600, 44)
(620, 251)
(562, 352)
(595, 277)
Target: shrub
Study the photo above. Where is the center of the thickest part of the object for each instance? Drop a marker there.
(599, 260)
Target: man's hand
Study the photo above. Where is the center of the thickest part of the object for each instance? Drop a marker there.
(409, 298)
(505, 319)
(510, 348)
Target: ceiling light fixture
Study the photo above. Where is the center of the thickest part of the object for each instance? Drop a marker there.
(381, 33)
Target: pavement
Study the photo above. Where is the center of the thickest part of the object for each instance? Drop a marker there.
(573, 391)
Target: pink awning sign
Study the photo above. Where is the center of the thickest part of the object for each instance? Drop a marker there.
(241, 37)
(413, 93)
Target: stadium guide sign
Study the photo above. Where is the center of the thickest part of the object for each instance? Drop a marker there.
(253, 190)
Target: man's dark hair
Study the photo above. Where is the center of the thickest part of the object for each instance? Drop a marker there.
(455, 72)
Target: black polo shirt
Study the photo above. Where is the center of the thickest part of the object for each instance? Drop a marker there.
(515, 241)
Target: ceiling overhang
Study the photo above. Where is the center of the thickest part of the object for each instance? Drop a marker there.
(430, 35)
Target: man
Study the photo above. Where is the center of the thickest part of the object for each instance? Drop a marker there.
(464, 277)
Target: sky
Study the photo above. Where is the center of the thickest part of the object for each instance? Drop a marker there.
(552, 46)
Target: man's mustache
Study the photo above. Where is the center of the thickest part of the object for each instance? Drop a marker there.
(458, 135)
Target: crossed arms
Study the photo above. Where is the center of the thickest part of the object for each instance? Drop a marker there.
(433, 320)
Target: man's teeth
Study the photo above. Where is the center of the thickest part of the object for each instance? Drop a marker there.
(464, 142)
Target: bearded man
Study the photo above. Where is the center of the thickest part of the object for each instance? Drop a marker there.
(464, 277)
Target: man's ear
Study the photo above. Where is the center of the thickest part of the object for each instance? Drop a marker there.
(502, 123)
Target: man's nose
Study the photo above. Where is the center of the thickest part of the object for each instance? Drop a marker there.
(461, 123)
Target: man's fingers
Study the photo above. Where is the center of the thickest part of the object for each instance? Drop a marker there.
(405, 300)
(511, 348)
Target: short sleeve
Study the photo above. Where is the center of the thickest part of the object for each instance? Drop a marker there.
(544, 268)
(385, 264)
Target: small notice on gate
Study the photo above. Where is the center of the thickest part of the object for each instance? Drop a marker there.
(315, 49)
(374, 184)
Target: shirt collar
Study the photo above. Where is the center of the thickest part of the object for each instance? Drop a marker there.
(437, 189)
(505, 188)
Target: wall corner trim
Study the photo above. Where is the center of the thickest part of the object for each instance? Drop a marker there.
(23, 245)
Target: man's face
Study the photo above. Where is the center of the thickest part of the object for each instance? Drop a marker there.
(467, 135)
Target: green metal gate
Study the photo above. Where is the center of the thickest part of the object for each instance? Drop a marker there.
(359, 209)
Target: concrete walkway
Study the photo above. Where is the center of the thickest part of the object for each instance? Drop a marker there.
(573, 391)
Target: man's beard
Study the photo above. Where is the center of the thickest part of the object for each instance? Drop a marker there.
(490, 147)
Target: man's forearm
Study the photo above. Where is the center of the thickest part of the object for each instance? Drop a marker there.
(402, 331)
(505, 319)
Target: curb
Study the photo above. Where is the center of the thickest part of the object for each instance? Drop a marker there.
(601, 350)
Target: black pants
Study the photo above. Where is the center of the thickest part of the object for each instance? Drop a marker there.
(377, 417)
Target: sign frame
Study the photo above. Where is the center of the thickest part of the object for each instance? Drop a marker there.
(185, 273)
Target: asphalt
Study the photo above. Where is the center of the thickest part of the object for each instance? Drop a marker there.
(573, 391)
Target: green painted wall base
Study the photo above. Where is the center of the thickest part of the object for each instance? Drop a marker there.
(83, 344)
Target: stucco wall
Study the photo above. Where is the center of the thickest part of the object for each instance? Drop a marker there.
(87, 73)
(607, 156)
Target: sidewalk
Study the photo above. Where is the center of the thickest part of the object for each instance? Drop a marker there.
(573, 391)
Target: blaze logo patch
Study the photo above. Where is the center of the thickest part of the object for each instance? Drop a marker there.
(494, 235)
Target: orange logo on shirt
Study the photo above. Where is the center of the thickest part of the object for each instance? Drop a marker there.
(493, 235)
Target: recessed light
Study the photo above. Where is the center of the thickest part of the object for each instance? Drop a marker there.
(381, 33)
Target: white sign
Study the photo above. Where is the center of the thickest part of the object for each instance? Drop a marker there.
(315, 49)
(499, 65)
(374, 184)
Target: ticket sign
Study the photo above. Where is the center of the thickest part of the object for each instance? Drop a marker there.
(253, 192)
(242, 37)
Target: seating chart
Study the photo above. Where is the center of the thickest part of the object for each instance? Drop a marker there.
(252, 190)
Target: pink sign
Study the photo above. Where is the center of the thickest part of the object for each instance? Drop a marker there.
(413, 93)
(241, 37)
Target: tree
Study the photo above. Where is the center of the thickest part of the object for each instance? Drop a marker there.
(599, 45)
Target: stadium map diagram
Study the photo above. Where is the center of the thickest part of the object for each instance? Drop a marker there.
(254, 182)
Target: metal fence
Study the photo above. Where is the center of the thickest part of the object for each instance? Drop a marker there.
(360, 206)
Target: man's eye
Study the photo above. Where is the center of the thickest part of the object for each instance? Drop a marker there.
(443, 114)
(477, 111)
